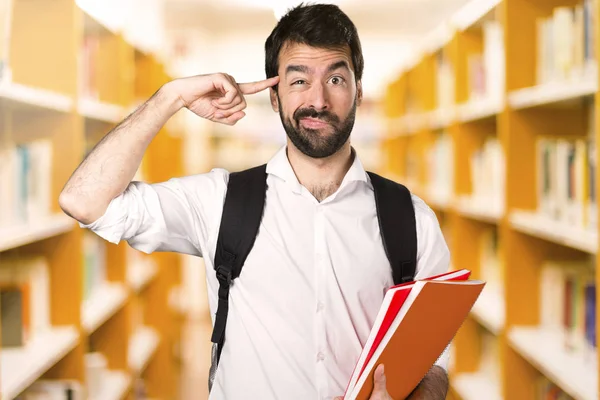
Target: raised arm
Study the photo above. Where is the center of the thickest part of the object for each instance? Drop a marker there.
(108, 169)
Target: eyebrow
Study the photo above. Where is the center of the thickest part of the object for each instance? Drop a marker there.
(304, 69)
(338, 65)
(297, 68)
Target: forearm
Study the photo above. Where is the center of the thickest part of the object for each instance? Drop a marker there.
(112, 164)
(434, 386)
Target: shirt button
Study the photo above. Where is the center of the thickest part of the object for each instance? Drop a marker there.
(320, 356)
(320, 306)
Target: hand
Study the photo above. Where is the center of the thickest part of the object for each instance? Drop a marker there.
(217, 97)
(379, 386)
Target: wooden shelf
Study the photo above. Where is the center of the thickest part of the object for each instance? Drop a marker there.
(103, 303)
(143, 345)
(441, 118)
(140, 274)
(22, 96)
(68, 90)
(22, 234)
(472, 12)
(412, 123)
(476, 386)
(537, 225)
(116, 386)
(544, 349)
(514, 136)
(412, 184)
(477, 209)
(552, 93)
(177, 300)
(22, 366)
(489, 309)
(438, 199)
(479, 110)
(99, 111)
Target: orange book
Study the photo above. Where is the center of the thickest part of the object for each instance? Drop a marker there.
(416, 322)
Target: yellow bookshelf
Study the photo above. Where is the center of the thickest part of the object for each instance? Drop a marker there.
(496, 128)
(65, 81)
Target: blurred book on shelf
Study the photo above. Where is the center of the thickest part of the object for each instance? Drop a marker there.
(566, 43)
(24, 298)
(5, 34)
(485, 71)
(440, 168)
(445, 90)
(548, 390)
(55, 389)
(94, 263)
(566, 180)
(491, 262)
(489, 362)
(487, 169)
(568, 304)
(25, 182)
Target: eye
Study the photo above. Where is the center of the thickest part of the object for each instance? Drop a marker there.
(337, 80)
(299, 81)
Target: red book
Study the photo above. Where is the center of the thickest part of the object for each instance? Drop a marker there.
(390, 309)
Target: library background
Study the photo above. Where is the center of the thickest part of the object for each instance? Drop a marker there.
(487, 109)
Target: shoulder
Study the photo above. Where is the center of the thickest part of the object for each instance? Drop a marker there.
(426, 219)
(425, 216)
(433, 253)
(423, 211)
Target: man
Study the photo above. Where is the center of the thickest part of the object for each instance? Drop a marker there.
(313, 283)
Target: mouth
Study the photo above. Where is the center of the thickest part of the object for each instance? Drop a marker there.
(313, 123)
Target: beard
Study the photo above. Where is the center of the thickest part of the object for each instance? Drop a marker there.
(312, 142)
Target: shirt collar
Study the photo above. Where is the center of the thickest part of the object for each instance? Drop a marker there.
(280, 166)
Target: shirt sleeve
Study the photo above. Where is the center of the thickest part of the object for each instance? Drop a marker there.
(179, 215)
(433, 255)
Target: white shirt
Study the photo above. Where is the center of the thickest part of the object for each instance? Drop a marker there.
(310, 289)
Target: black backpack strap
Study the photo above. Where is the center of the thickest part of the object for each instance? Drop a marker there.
(242, 212)
(397, 223)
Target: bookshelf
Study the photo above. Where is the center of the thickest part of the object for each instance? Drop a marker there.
(495, 126)
(77, 312)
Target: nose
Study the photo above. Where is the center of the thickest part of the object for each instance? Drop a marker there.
(318, 96)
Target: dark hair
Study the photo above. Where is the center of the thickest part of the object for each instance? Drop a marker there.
(316, 25)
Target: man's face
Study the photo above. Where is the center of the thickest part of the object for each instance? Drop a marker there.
(316, 98)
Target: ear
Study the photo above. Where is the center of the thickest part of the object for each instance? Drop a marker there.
(359, 93)
(274, 99)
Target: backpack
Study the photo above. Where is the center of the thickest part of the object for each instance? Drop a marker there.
(242, 214)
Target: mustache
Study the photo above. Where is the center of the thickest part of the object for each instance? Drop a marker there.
(312, 113)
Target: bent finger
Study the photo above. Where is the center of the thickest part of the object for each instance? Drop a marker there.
(230, 92)
(232, 119)
(228, 112)
(225, 101)
(222, 104)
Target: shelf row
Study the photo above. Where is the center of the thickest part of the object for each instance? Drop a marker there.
(529, 222)
(495, 125)
(576, 372)
(23, 234)
(20, 368)
(552, 94)
(26, 97)
(87, 305)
